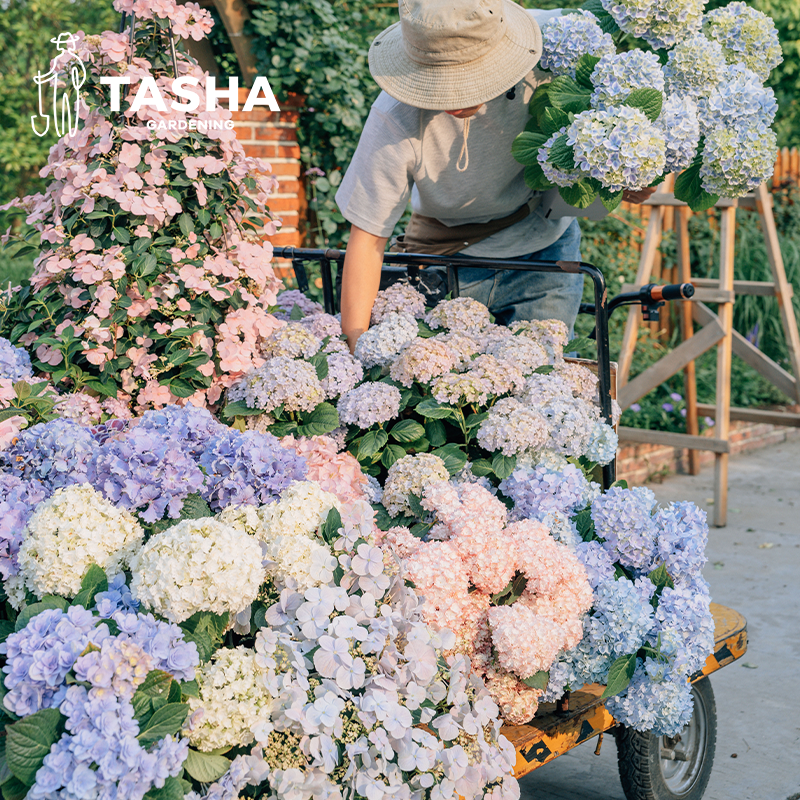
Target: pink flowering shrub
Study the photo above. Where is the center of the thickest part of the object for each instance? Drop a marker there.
(514, 597)
(151, 285)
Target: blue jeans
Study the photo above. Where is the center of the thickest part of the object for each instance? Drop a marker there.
(513, 295)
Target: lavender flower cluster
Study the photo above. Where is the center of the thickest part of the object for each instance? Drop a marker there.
(18, 499)
(567, 37)
(15, 363)
(369, 404)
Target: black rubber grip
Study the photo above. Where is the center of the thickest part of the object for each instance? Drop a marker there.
(677, 291)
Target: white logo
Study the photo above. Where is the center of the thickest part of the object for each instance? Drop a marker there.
(65, 113)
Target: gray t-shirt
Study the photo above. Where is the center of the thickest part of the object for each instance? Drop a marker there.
(406, 152)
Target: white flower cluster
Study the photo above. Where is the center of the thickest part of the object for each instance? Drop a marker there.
(680, 126)
(617, 75)
(197, 565)
(737, 161)
(461, 314)
(513, 427)
(567, 37)
(369, 404)
(234, 700)
(294, 340)
(694, 67)
(410, 475)
(298, 558)
(70, 531)
(398, 298)
(422, 360)
(282, 380)
(747, 35)
(621, 148)
(552, 334)
(381, 343)
(661, 23)
(525, 353)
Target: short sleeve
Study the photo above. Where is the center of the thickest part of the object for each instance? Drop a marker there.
(376, 188)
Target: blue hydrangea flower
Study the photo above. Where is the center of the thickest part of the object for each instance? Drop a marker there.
(189, 425)
(738, 100)
(695, 67)
(661, 23)
(616, 76)
(624, 519)
(598, 562)
(146, 471)
(568, 37)
(682, 538)
(105, 430)
(248, 469)
(18, 500)
(681, 128)
(118, 596)
(737, 160)
(54, 454)
(15, 363)
(621, 148)
(746, 35)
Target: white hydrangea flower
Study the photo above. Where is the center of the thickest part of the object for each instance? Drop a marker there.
(197, 565)
(621, 148)
(661, 23)
(382, 342)
(552, 334)
(616, 76)
(410, 475)
(233, 702)
(399, 297)
(70, 531)
(681, 128)
(567, 37)
(736, 161)
(603, 443)
(294, 340)
(290, 382)
(746, 35)
(524, 352)
(512, 427)
(694, 67)
(462, 314)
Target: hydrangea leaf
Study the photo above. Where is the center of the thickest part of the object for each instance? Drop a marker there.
(585, 524)
(540, 100)
(14, 789)
(371, 443)
(436, 432)
(430, 409)
(382, 518)
(619, 676)
(320, 363)
(580, 195)
(689, 188)
(204, 767)
(407, 431)
(416, 506)
(503, 466)
(47, 602)
(323, 419)
(661, 579)
(584, 69)
(538, 680)
(611, 200)
(167, 721)
(94, 582)
(425, 332)
(331, 527)
(6, 629)
(453, 456)
(392, 453)
(481, 467)
(567, 95)
(525, 148)
(296, 313)
(173, 789)
(554, 119)
(29, 740)
(536, 179)
(581, 344)
(604, 19)
(545, 369)
(562, 154)
(648, 101)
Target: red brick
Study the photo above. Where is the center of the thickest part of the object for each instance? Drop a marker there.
(265, 130)
(284, 204)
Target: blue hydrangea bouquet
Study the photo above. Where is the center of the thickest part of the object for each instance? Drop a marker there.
(690, 100)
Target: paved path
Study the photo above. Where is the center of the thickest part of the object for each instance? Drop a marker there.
(753, 566)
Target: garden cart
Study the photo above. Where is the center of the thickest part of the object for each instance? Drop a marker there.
(651, 767)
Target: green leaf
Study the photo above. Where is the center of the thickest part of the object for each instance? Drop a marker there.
(435, 432)
(512, 591)
(14, 789)
(611, 200)
(6, 629)
(47, 602)
(661, 578)
(190, 689)
(323, 419)
(156, 684)
(239, 409)
(371, 443)
(416, 506)
(538, 680)
(204, 767)
(430, 409)
(604, 19)
(580, 194)
(173, 789)
(481, 467)
(536, 179)
(561, 154)
(320, 364)
(567, 95)
(296, 313)
(619, 676)
(553, 120)
(167, 721)
(331, 527)
(195, 507)
(407, 431)
(105, 389)
(689, 188)
(453, 456)
(545, 369)
(585, 524)
(94, 582)
(425, 332)
(581, 344)
(392, 453)
(382, 518)
(540, 101)
(525, 148)
(186, 223)
(584, 69)
(503, 466)
(29, 740)
(205, 630)
(648, 101)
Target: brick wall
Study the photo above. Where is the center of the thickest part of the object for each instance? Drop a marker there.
(640, 463)
(273, 137)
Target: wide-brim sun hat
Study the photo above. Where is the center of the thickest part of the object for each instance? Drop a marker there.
(445, 55)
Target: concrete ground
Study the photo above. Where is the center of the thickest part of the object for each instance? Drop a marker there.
(754, 567)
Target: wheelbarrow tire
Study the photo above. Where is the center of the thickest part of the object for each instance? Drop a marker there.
(645, 772)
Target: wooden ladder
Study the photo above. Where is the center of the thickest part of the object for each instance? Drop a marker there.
(716, 331)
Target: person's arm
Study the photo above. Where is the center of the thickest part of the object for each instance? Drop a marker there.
(636, 197)
(360, 281)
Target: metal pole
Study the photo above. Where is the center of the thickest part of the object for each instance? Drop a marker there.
(327, 286)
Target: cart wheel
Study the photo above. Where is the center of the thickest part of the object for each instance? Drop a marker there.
(671, 768)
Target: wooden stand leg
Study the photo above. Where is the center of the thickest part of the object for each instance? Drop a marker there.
(724, 353)
(687, 331)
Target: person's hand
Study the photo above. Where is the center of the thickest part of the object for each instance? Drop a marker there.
(639, 195)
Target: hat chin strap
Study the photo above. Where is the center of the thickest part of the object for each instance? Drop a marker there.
(464, 154)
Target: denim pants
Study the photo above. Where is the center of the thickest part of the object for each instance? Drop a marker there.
(513, 295)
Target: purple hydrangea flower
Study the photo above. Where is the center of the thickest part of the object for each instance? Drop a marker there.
(106, 430)
(18, 500)
(248, 468)
(682, 538)
(147, 471)
(624, 519)
(117, 597)
(15, 363)
(541, 490)
(191, 426)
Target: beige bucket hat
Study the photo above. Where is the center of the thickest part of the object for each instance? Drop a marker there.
(449, 54)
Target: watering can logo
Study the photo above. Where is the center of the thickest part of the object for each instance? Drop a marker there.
(61, 85)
